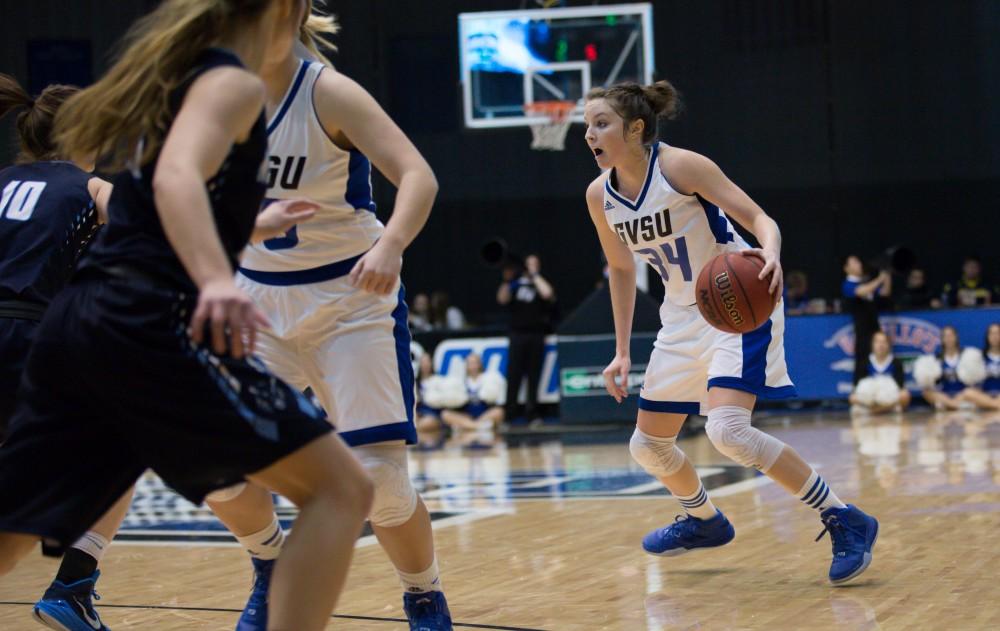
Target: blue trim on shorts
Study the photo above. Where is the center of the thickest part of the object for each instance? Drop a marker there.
(404, 430)
(754, 375)
(764, 392)
(302, 276)
(755, 345)
(672, 407)
(401, 331)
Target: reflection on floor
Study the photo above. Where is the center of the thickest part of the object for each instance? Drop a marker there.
(543, 533)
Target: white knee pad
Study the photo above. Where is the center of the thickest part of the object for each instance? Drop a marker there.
(395, 498)
(658, 456)
(226, 494)
(729, 430)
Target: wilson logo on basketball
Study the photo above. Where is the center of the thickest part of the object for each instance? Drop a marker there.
(725, 287)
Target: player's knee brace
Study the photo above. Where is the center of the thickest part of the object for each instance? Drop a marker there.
(226, 494)
(395, 498)
(730, 431)
(659, 456)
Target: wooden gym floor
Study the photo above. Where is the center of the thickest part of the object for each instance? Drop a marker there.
(545, 535)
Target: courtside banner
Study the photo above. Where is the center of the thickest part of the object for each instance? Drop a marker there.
(582, 359)
(820, 349)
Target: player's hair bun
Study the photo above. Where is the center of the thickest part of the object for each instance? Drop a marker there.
(663, 99)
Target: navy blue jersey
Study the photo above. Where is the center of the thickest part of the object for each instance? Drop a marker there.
(47, 217)
(134, 236)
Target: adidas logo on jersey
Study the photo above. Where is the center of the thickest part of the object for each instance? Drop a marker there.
(608, 205)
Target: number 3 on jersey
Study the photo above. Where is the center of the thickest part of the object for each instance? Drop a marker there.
(666, 254)
(19, 199)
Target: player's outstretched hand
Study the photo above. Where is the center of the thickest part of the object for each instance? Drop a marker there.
(222, 305)
(618, 368)
(378, 270)
(772, 266)
(280, 216)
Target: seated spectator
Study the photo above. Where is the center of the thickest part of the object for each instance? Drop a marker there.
(796, 292)
(987, 394)
(420, 310)
(443, 315)
(882, 389)
(942, 388)
(916, 294)
(970, 290)
(481, 411)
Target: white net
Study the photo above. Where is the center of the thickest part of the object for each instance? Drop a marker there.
(550, 135)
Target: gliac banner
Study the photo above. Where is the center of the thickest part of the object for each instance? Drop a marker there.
(820, 349)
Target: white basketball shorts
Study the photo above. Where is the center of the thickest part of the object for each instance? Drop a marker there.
(690, 356)
(350, 346)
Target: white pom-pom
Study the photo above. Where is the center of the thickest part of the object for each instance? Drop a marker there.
(864, 392)
(492, 387)
(926, 371)
(445, 392)
(971, 367)
(886, 390)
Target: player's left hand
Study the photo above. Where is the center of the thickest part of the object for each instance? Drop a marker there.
(772, 266)
(378, 270)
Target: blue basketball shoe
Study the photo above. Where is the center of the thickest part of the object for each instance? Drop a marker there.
(853, 534)
(688, 533)
(254, 616)
(69, 607)
(427, 611)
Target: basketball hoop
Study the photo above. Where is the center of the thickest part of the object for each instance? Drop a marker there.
(550, 134)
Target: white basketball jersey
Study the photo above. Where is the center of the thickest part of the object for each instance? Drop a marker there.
(676, 234)
(304, 163)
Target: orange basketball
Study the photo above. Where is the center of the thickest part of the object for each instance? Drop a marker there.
(731, 297)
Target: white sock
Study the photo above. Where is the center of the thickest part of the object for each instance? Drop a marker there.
(93, 543)
(697, 504)
(266, 544)
(421, 582)
(816, 494)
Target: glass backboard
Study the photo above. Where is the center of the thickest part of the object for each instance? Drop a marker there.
(510, 58)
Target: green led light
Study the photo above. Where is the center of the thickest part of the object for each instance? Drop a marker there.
(611, 19)
(562, 50)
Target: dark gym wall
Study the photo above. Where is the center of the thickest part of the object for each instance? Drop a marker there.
(855, 124)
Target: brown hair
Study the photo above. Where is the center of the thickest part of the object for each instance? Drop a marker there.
(131, 101)
(633, 101)
(315, 31)
(34, 124)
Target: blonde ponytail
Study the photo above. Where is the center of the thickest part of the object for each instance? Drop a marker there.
(316, 30)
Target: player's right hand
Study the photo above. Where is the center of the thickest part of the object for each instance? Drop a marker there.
(222, 304)
(618, 368)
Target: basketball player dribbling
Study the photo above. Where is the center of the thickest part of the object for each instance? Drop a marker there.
(155, 311)
(663, 203)
(331, 290)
